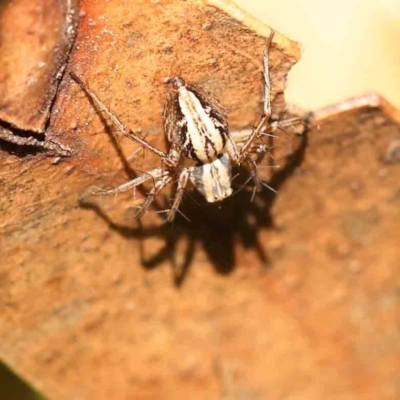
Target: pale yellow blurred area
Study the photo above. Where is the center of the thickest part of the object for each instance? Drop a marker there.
(350, 47)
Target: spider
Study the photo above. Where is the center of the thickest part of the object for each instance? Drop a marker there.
(197, 131)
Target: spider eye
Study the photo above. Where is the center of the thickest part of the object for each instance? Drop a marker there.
(177, 82)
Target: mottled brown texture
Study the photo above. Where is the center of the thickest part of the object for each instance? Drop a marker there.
(291, 296)
(296, 295)
(125, 54)
(35, 40)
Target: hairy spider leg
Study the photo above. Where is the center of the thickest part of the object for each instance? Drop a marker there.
(239, 157)
(158, 186)
(259, 130)
(163, 178)
(182, 184)
(128, 133)
(154, 174)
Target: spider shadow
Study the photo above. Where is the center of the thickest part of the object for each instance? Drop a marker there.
(218, 227)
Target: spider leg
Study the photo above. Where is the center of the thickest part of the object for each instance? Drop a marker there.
(128, 133)
(267, 80)
(154, 174)
(159, 185)
(244, 153)
(289, 122)
(258, 130)
(182, 183)
(260, 149)
(254, 174)
(239, 137)
(257, 181)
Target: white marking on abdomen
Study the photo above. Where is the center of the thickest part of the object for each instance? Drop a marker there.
(199, 127)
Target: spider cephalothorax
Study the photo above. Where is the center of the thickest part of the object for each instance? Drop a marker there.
(195, 123)
(202, 150)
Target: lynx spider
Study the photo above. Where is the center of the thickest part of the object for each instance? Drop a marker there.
(196, 129)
